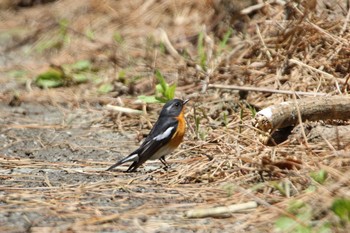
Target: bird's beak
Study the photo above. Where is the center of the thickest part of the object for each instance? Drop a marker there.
(185, 101)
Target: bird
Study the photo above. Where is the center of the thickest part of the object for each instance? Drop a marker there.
(165, 136)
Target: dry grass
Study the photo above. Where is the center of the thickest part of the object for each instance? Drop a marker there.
(296, 47)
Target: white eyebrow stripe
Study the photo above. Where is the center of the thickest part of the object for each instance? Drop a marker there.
(164, 135)
(168, 108)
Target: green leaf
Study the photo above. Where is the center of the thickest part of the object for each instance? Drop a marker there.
(279, 187)
(90, 34)
(341, 207)
(80, 78)
(63, 23)
(225, 120)
(162, 48)
(50, 78)
(122, 75)
(82, 65)
(229, 189)
(161, 80)
(53, 43)
(148, 99)
(159, 89)
(319, 176)
(118, 38)
(305, 214)
(105, 88)
(17, 73)
(201, 51)
(224, 41)
(325, 228)
(295, 206)
(170, 92)
(197, 122)
(252, 110)
(161, 99)
(286, 224)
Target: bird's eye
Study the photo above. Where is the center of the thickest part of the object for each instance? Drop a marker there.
(177, 104)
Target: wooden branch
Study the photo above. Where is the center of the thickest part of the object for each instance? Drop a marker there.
(163, 36)
(222, 211)
(268, 90)
(312, 109)
(122, 109)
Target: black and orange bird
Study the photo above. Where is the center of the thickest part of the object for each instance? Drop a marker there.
(165, 136)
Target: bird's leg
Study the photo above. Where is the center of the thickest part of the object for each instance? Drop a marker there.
(166, 165)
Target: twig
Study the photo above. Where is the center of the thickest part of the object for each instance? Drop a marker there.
(300, 119)
(122, 109)
(165, 40)
(220, 211)
(311, 68)
(258, 6)
(318, 71)
(259, 89)
(347, 19)
(338, 40)
(31, 126)
(263, 43)
(98, 219)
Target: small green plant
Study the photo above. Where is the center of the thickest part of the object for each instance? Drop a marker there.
(65, 75)
(90, 34)
(201, 51)
(162, 48)
(241, 114)
(20, 75)
(56, 39)
(117, 37)
(205, 49)
(280, 187)
(251, 109)
(341, 207)
(229, 189)
(17, 73)
(197, 120)
(105, 88)
(53, 77)
(163, 93)
(319, 176)
(223, 42)
(200, 132)
(225, 118)
(303, 221)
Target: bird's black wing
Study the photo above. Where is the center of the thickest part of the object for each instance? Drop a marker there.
(162, 124)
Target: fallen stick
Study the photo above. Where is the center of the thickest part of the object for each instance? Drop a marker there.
(312, 109)
(222, 211)
(268, 90)
(123, 109)
(163, 36)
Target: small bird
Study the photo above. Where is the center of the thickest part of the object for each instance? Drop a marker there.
(165, 136)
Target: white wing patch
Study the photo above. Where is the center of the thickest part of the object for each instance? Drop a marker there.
(134, 157)
(163, 135)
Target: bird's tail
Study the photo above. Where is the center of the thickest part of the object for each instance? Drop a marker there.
(132, 157)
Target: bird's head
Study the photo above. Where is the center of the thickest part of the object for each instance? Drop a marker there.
(173, 108)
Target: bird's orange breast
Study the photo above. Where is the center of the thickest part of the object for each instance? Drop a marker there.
(180, 131)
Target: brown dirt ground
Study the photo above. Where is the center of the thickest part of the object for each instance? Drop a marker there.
(55, 144)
